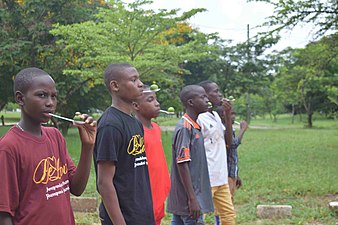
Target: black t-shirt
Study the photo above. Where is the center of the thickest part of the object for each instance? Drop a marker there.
(120, 139)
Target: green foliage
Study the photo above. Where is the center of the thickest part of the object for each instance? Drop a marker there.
(25, 41)
(310, 77)
(11, 107)
(288, 14)
(127, 33)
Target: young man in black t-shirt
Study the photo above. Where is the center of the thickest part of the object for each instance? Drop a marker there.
(119, 155)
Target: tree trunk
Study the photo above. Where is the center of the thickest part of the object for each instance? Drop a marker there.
(247, 105)
(2, 105)
(293, 114)
(309, 119)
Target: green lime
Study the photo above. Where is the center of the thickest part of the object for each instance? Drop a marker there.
(231, 98)
(153, 87)
(171, 109)
(77, 118)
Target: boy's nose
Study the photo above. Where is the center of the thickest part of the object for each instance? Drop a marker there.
(50, 101)
(140, 84)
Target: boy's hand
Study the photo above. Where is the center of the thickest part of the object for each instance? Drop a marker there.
(243, 125)
(87, 130)
(238, 182)
(194, 208)
(227, 106)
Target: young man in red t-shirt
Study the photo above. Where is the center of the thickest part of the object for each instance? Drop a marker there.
(37, 174)
(146, 108)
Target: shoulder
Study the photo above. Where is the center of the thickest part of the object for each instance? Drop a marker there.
(179, 124)
(203, 117)
(217, 116)
(110, 118)
(203, 120)
(155, 126)
(8, 139)
(116, 118)
(183, 128)
(51, 132)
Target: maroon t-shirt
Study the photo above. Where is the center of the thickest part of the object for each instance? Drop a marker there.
(35, 178)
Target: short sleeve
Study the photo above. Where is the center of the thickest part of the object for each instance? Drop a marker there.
(108, 143)
(182, 143)
(9, 187)
(201, 121)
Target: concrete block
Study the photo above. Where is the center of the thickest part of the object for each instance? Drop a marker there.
(334, 208)
(83, 204)
(274, 211)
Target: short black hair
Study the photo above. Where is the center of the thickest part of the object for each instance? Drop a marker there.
(206, 84)
(188, 92)
(24, 78)
(114, 72)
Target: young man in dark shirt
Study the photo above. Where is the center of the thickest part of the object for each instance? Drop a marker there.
(119, 154)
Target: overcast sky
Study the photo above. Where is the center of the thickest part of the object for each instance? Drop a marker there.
(230, 18)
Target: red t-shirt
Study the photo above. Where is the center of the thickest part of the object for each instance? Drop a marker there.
(158, 169)
(35, 177)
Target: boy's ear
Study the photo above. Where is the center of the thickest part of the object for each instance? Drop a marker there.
(19, 98)
(190, 102)
(136, 106)
(114, 86)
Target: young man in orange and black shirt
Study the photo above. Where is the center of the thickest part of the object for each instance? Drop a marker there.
(190, 194)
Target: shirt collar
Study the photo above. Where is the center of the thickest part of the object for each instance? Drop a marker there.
(193, 123)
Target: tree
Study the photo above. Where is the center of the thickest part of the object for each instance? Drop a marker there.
(25, 41)
(312, 76)
(252, 69)
(129, 33)
(24, 35)
(289, 13)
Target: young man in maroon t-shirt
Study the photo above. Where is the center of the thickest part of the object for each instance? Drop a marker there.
(37, 174)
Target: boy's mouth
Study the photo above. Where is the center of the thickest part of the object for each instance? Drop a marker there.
(47, 114)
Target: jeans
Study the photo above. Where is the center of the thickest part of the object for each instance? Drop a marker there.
(186, 220)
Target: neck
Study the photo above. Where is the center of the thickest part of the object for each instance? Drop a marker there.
(192, 114)
(32, 128)
(146, 122)
(123, 106)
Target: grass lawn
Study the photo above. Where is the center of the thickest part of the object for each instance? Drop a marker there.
(10, 117)
(283, 163)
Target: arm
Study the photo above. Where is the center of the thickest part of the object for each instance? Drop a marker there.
(228, 123)
(194, 207)
(87, 133)
(5, 219)
(242, 128)
(237, 141)
(106, 173)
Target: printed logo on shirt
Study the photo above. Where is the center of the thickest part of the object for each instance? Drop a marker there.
(135, 148)
(136, 145)
(56, 190)
(49, 169)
